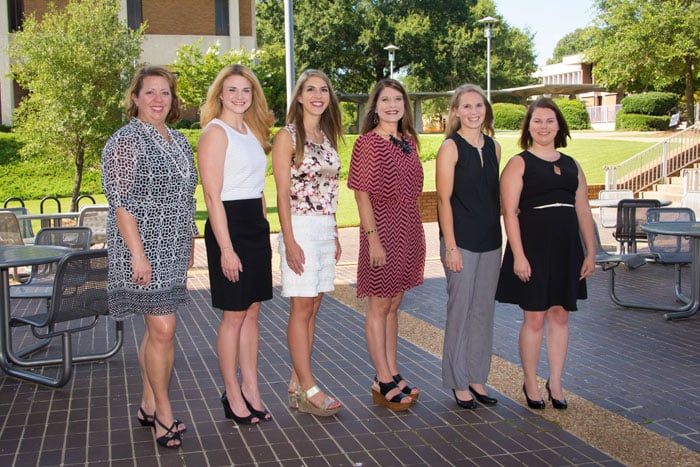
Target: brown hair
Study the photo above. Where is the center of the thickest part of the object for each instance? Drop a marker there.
(453, 122)
(331, 122)
(142, 73)
(258, 117)
(544, 103)
(406, 122)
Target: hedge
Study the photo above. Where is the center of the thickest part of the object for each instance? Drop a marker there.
(639, 122)
(508, 116)
(650, 103)
(575, 113)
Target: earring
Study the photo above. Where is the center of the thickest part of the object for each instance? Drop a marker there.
(375, 119)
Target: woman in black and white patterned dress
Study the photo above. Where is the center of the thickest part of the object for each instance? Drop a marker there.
(149, 178)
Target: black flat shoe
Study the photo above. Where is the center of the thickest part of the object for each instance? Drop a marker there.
(556, 403)
(537, 405)
(230, 414)
(470, 404)
(261, 414)
(483, 398)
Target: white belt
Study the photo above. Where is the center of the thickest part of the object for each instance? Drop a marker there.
(554, 205)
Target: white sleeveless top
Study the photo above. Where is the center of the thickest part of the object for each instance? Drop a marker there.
(245, 165)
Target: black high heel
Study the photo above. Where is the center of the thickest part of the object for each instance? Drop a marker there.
(230, 414)
(149, 421)
(556, 403)
(170, 435)
(537, 405)
(470, 404)
(408, 390)
(261, 414)
(483, 398)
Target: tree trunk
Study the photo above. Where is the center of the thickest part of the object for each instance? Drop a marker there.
(689, 90)
(78, 178)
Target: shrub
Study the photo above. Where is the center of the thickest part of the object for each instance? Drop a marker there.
(575, 113)
(508, 116)
(5, 129)
(650, 103)
(182, 123)
(639, 122)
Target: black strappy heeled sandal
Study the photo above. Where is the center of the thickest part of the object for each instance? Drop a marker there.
(408, 390)
(170, 435)
(395, 403)
(148, 421)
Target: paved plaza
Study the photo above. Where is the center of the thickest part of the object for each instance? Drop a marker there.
(632, 382)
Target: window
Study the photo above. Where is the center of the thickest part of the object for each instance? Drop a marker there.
(221, 11)
(15, 10)
(134, 14)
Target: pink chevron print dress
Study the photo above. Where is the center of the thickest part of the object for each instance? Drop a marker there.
(393, 180)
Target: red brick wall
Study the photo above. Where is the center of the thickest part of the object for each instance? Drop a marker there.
(179, 17)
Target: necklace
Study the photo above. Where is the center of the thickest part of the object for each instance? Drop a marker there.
(181, 163)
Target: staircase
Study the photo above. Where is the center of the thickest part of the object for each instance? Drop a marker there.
(673, 191)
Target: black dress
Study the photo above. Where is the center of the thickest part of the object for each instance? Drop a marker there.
(550, 238)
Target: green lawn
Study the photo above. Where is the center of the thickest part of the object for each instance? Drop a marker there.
(15, 174)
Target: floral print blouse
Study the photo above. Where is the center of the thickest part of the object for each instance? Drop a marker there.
(314, 187)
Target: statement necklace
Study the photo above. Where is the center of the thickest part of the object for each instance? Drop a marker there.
(183, 160)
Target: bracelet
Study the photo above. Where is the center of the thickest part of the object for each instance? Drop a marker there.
(450, 250)
(370, 231)
(226, 248)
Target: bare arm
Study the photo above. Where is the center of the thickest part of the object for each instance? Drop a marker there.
(585, 224)
(511, 188)
(282, 151)
(212, 154)
(128, 228)
(444, 183)
(377, 254)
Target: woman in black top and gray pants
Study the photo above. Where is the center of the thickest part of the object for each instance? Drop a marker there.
(470, 242)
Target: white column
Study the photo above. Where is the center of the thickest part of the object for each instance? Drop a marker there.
(7, 90)
(123, 11)
(234, 24)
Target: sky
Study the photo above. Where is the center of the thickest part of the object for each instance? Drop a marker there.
(548, 20)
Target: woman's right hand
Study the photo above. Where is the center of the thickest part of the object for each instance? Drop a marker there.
(453, 260)
(231, 264)
(141, 269)
(521, 268)
(294, 255)
(377, 254)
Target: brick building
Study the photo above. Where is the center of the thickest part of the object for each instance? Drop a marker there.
(171, 23)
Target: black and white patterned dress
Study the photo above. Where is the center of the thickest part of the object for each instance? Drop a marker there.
(154, 181)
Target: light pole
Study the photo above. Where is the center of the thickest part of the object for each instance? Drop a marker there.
(391, 48)
(488, 24)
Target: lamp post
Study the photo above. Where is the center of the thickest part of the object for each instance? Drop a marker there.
(391, 48)
(488, 25)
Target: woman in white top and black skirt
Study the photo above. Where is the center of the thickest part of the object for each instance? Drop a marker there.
(232, 163)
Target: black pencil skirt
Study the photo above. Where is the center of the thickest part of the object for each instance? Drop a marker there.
(250, 236)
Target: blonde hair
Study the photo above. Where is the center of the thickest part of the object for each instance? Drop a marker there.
(405, 124)
(331, 123)
(453, 123)
(258, 117)
(132, 110)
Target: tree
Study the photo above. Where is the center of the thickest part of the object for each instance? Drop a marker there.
(649, 45)
(75, 64)
(197, 69)
(576, 42)
(441, 43)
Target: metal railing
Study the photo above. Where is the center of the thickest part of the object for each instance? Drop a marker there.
(657, 163)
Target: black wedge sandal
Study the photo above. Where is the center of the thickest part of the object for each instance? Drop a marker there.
(395, 403)
(408, 390)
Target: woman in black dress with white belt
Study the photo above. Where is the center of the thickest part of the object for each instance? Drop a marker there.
(544, 197)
